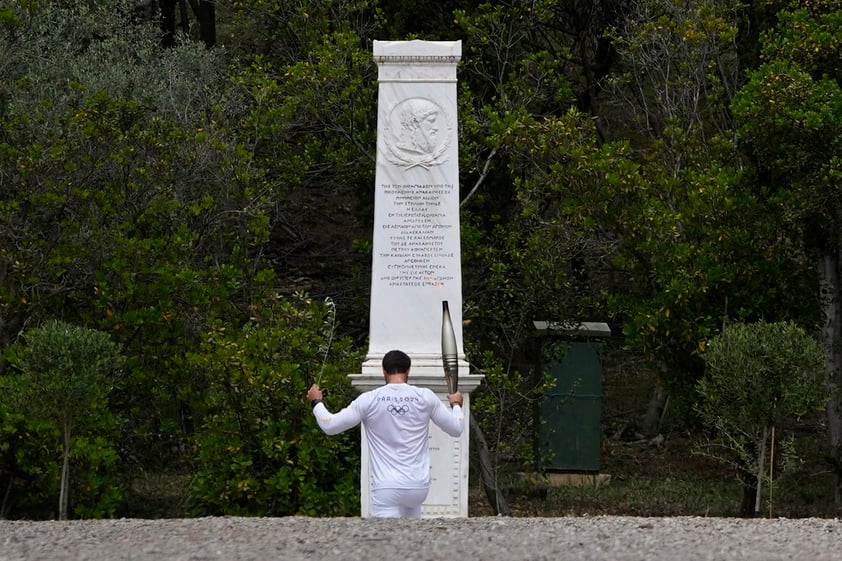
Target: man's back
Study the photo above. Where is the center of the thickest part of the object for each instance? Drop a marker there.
(397, 420)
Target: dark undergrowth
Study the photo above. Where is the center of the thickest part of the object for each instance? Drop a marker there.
(670, 480)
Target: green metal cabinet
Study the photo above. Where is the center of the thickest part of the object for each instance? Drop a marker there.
(570, 435)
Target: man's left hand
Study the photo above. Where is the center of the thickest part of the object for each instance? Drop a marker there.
(455, 399)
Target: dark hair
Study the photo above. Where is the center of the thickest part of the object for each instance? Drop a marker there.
(396, 362)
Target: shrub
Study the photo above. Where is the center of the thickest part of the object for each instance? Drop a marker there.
(259, 451)
(29, 467)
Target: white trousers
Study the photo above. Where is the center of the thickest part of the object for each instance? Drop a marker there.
(397, 503)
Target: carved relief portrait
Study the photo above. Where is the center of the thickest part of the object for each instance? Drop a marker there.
(418, 133)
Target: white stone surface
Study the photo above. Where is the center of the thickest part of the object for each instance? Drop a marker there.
(416, 241)
(582, 329)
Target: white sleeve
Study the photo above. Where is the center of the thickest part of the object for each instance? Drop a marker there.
(450, 420)
(335, 423)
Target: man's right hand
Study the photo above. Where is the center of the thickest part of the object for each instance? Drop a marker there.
(315, 392)
(455, 399)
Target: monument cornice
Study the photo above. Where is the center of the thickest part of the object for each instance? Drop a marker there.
(406, 59)
(433, 381)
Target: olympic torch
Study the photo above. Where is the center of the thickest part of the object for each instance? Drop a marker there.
(449, 358)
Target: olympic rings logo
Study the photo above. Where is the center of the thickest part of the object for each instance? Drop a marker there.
(396, 410)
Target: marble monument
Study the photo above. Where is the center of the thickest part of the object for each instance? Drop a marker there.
(416, 261)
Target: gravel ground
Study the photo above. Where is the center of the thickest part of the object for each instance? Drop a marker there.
(482, 539)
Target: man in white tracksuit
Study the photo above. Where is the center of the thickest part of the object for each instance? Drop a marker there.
(397, 420)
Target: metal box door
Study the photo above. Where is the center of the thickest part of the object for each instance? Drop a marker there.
(571, 414)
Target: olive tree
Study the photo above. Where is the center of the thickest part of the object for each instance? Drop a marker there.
(756, 375)
(66, 373)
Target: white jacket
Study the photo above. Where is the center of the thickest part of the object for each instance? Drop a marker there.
(397, 423)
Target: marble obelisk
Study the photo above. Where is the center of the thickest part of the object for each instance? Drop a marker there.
(416, 261)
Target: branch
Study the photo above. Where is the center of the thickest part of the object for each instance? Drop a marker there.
(482, 177)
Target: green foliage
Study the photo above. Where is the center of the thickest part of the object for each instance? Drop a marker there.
(679, 70)
(284, 32)
(307, 79)
(65, 371)
(505, 407)
(791, 110)
(695, 265)
(30, 469)
(145, 192)
(516, 266)
(802, 113)
(97, 486)
(259, 451)
(127, 201)
(757, 376)
(790, 115)
(310, 120)
(304, 74)
(688, 259)
(757, 373)
(536, 260)
(30, 464)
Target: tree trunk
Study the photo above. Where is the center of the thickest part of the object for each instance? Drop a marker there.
(184, 20)
(761, 463)
(168, 22)
(65, 474)
(832, 338)
(205, 11)
(489, 479)
(655, 412)
(749, 482)
(771, 468)
(6, 499)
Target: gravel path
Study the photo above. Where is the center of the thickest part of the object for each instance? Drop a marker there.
(584, 538)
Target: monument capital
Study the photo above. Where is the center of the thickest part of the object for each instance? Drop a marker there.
(417, 61)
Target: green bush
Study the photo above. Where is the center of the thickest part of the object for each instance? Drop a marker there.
(260, 451)
(30, 471)
(29, 466)
(95, 477)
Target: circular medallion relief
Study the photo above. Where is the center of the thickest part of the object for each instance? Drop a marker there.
(417, 133)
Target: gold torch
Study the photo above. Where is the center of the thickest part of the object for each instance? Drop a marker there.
(449, 354)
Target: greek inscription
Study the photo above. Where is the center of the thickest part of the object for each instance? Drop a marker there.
(416, 226)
